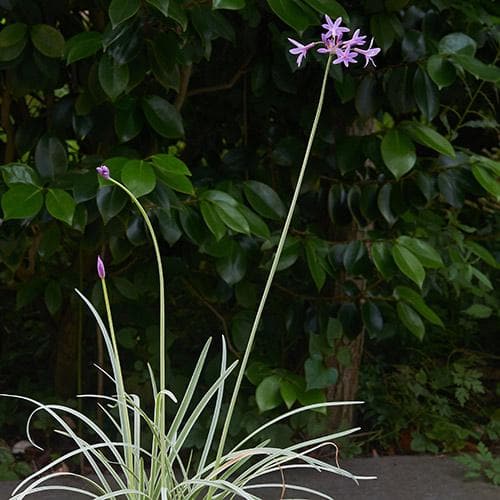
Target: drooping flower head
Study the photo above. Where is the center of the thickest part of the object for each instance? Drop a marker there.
(103, 171)
(101, 271)
(333, 42)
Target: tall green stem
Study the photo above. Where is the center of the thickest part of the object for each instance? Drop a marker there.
(274, 267)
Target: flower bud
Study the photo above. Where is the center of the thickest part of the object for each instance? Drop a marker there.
(100, 268)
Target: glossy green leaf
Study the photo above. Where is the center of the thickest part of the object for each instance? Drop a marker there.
(382, 30)
(398, 152)
(294, 13)
(441, 71)
(19, 173)
(408, 264)
(53, 296)
(82, 45)
(482, 253)
(426, 94)
(382, 258)
(128, 119)
(212, 220)
(479, 311)
(121, 10)
(47, 40)
(228, 4)
(330, 7)
(451, 188)
(216, 196)
(161, 5)
(51, 160)
(233, 266)
(113, 77)
(176, 182)
(317, 375)
(12, 41)
(411, 320)
(384, 203)
(372, 317)
(288, 392)
(457, 43)
(267, 394)
(110, 202)
(139, 177)
(482, 71)
(232, 217)
(426, 254)
(353, 254)
(487, 180)
(60, 205)
(315, 262)
(264, 200)
(367, 97)
(429, 137)
(22, 201)
(241, 326)
(170, 163)
(163, 117)
(415, 300)
(257, 226)
(169, 228)
(177, 12)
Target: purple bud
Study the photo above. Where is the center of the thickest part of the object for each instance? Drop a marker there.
(103, 171)
(100, 268)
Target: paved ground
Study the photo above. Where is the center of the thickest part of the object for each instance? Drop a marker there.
(399, 478)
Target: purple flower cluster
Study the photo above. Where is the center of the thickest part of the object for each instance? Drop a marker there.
(333, 42)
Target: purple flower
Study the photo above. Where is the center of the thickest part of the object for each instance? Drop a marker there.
(333, 29)
(346, 57)
(300, 50)
(356, 39)
(103, 171)
(329, 45)
(101, 272)
(369, 53)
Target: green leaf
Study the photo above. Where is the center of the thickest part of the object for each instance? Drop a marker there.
(121, 10)
(288, 392)
(47, 40)
(482, 253)
(488, 181)
(429, 137)
(139, 177)
(411, 320)
(384, 203)
(294, 13)
(457, 43)
(315, 262)
(344, 356)
(177, 12)
(163, 117)
(264, 200)
(317, 375)
(330, 7)
(482, 71)
(479, 311)
(161, 5)
(53, 296)
(171, 164)
(169, 228)
(382, 29)
(267, 394)
(176, 182)
(113, 77)
(408, 264)
(212, 220)
(417, 302)
(426, 95)
(128, 119)
(353, 254)
(426, 254)
(18, 173)
(334, 331)
(12, 41)
(372, 317)
(82, 45)
(398, 153)
(451, 188)
(241, 326)
(228, 4)
(232, 217)
(110, 201)
(382, 258)
(257, 226)
(441, 71)
(233, 266)
(50, 157)
(60, 205)
(22, 201)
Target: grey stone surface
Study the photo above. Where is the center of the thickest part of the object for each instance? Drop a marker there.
(398, 478)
